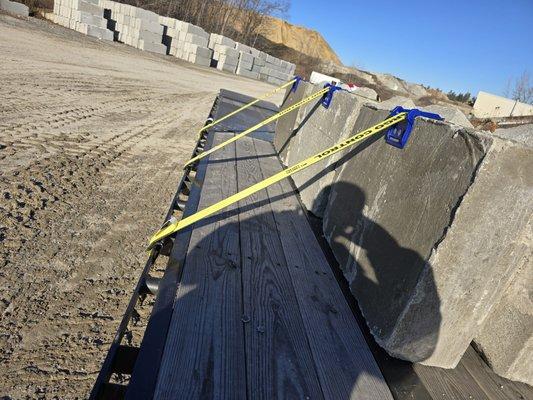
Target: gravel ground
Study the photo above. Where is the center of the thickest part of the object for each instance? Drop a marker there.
(92, 139)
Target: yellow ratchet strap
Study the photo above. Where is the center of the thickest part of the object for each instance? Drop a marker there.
(176, 226)
(267, 121)
(231, 114)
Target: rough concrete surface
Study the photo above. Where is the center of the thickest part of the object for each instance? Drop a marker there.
(522, 134)
(401, 202)
(397, 101)
(450, 114)
(423, 244)
(93, 136)
(319, 129)
(14, 8)
(286, 124)
(506, 339)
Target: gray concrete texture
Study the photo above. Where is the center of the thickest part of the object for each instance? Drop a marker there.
(14, 8)
(319, 128)
(450, 114)
(427, 236)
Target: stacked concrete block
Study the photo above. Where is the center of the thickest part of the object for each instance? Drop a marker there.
(137, 27)
(84, 16)
(227, 58)
(245, 67)
(189, 43)
(429, 237)
(215, 39)
(274, 70)
(14, 8)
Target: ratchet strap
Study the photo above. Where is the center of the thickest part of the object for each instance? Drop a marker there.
(244, 107)
(267, 121)
(175, 226)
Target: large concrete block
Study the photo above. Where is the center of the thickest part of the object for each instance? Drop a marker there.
(199, 60)
(506, 339)
(14, 8)
(321, 128)
(429, 236)
(451, 114)
(395, 101)
(196, 39)
(287, 124)
(152, 47)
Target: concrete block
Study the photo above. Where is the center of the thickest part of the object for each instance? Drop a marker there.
(222, 66)
(89, 19)
(195, 39)
(228, 51)
(246, 57)
(254, 52)
(506, 339)
(273, 60)
(450, 114)
(99, 33)
(85, 6)
(286, 125)
(199, 60)
(320, 128)
(432, 235)
(147, 25)
(194, 30)
(14, 8)
(147, 36)
(242, 47)
(152, 47)
(259, 62)
(139, 13)
(397, 101)
(228, 60)
(200, 51)
(246, 73)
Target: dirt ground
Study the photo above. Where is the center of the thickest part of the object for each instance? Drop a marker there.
(92, 139)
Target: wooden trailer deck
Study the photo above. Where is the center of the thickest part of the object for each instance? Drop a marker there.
(251, 305)
(258, 312)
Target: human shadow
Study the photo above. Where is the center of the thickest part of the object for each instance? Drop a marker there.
(393, 285)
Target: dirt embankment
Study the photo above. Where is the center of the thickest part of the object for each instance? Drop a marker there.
(299, 38)
(92, 139)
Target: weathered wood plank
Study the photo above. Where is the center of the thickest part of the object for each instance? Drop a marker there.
(493, 385)
(345, 365)
(279, 360)
(204, 355)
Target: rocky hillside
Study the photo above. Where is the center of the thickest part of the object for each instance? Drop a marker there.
(299, 38)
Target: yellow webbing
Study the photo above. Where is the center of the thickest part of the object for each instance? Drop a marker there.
(273, 118)
(231, 114)
(206, 212)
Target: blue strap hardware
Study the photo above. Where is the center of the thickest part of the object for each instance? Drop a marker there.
(326, 100)
(296, 83)
(398, 135)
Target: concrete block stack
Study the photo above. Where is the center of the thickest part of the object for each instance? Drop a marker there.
(84, 16)
(275, 71)
(189, 43)
(145, 30)
(246, 66)
(136, 27)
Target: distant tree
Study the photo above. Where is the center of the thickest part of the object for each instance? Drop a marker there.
(521, 89)
(459, 97)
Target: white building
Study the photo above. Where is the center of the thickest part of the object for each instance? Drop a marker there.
(491, 106)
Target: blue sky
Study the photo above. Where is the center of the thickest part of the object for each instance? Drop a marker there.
(467, 45)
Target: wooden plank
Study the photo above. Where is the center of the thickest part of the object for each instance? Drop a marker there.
(279, 360)
(493, 385)
(345, 365)
(204, 354)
